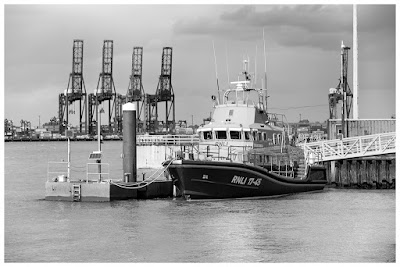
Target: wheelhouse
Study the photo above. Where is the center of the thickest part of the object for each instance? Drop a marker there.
(265, 136)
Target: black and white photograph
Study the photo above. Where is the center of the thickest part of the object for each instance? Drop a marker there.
(199, 132)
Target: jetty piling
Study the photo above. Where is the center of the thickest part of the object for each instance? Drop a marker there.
(367, 172)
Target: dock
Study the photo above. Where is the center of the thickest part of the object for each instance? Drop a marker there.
(96, 185)
(77, 191)
(367, 161)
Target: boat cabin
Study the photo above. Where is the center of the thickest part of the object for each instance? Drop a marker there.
(259, 135)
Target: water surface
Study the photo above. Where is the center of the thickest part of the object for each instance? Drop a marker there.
(336, 225)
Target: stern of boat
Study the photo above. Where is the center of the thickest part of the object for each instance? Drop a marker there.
(317, 174)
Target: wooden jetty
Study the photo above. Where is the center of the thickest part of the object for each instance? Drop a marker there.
(370, 172)
(363, 161)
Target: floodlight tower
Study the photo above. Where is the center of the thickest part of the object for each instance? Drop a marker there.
(76, 91)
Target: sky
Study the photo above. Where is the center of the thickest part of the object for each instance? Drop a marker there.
(302, 45)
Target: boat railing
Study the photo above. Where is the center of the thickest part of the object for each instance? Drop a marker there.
(211, 150)
(167, 139)
(223, 153)
(273, 163)
(277, 164)
(238, 153)
(99, 173)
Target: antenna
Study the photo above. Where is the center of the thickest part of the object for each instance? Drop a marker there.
(227, 69)
(265, 73)
(255, 69)
(216, 69)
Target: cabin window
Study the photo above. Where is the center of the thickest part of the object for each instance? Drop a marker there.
(255, 136)
(264, 136)
(278, 138)
(235, 135)
(220, 135)
(260, 136)
(247, 135)
(274, 139)
(207, 135)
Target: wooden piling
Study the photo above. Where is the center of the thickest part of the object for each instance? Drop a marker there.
(363, 171)
(352, 177)
(392, 170)
(368, 172)
(358, 172)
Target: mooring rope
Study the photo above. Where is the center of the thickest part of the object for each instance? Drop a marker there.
(143, 183)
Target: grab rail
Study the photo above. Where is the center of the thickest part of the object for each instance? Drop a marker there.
(99, 173)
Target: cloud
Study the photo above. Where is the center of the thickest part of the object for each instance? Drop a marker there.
(376, 18)
(319, 26)
(39, 38)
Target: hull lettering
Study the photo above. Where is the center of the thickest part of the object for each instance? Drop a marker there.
(245, 180)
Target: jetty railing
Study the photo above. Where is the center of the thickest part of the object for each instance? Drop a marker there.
(167, 139)
(351, 147)
(99, 173)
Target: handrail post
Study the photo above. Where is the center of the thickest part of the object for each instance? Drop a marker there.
(380, 145)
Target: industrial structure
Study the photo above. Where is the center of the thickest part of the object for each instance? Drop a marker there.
(119, 101)
(105, 99)
(135, 91)
(164, 94)
(76, 92)
(8, 127)
(105, 92)
(341, 94)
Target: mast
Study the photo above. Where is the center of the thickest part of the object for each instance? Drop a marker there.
(255, 69)
(226, 59)
(355, 64)
(265, 75)
(216, 70)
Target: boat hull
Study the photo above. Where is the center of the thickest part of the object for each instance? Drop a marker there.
(218, 180)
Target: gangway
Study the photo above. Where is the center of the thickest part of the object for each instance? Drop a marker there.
(351, 147)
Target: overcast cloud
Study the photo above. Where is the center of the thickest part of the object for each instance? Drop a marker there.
(302, 43)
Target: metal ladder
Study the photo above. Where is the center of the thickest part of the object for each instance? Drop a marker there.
(76, 192)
